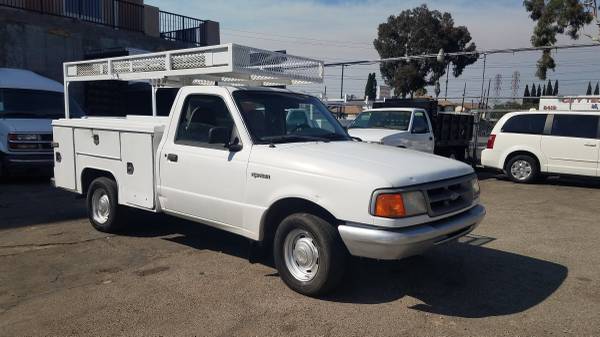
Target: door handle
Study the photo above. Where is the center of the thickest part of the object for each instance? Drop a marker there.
(172, 157)
(590, 145)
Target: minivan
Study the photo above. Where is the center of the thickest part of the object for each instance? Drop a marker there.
(528, 145)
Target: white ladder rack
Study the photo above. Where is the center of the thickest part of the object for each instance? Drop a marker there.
(226, 64)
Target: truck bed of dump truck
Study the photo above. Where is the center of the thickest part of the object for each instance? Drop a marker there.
(124, 146)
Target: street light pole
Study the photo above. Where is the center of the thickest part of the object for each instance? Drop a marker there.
(446, 90)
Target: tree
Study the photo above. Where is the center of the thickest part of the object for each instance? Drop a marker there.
(371, 87)
(597, 90)
(555, 17)
(421, 31)
(589, 90)
(549, 89)
(555, 93)
(539, 91)
(526, 93)
(526, 96)
(544, 92)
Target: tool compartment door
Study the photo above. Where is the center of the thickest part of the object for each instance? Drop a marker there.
(64, 158)
(137, 160)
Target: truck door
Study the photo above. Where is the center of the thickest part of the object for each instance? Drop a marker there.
(199, 176)
(421, 135)
(572, 145)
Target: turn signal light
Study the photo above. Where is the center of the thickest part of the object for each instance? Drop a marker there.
(490, 142)
(390, 206)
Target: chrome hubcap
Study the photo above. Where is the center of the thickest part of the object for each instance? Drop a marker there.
(301, 255)
(100, 206)
(521, 169)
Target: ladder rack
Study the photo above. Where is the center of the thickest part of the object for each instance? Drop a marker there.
(226, 64)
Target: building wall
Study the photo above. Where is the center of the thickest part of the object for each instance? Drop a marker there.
(41, 43)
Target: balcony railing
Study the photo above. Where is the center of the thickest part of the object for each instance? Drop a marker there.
(114, 13)
(120, 14)
(175, 27)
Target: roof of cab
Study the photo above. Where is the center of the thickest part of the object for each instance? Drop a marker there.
(25, 79)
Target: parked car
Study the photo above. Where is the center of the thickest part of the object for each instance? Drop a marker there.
(400, 127)
(269, 164)
(28, 104)
(527, 145)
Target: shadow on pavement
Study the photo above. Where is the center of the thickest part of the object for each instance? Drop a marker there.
(32, 201)
(458, 279)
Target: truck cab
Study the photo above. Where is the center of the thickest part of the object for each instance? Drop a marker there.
(28, 104)
(400, 127)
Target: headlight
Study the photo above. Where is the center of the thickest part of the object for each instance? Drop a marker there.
(399, 205)
(23, 137)
(475, 187)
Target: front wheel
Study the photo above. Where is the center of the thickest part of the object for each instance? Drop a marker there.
(309, 254)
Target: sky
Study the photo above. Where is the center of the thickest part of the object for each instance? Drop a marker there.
(344, 30)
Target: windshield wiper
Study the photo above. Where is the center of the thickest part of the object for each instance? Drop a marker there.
(292, 138)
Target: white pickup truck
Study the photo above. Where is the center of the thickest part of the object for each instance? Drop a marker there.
(243, 159)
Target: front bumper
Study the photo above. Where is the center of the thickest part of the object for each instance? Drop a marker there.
(18, 163)
(395, 244)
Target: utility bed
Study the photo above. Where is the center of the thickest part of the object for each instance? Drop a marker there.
(126, 145)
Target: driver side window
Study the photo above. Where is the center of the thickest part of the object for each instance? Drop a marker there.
(205, 121)
(420, 123)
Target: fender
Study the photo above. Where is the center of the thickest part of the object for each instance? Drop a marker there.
(520, 148)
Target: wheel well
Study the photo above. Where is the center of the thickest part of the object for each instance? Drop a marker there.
(284, 207)
(90, 174)
(518, 153)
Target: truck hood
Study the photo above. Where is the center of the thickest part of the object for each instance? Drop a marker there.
(372, 135)
(382, 166)
(21, 125)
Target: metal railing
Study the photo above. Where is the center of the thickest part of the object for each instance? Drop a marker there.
(175, 27)
(114, 13)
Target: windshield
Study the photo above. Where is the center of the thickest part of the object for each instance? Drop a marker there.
(26, 103)
(281, 117)
(383, 119)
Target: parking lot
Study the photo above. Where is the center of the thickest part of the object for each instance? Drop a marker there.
(531, 269)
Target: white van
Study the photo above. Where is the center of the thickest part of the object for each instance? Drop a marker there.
(400, 127)
(28, 104)
(529, 144)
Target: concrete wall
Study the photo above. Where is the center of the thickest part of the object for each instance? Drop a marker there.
(41, 43)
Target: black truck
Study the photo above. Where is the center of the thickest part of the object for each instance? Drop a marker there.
(452, 131)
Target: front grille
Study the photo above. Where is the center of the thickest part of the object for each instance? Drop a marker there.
(42, 145)
(450, 196)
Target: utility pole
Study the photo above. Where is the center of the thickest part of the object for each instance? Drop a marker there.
(482, 81)
(342, 85)
(446, 90)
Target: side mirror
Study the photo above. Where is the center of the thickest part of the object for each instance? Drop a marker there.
(235, 146)
(420, 129)
(219, 135)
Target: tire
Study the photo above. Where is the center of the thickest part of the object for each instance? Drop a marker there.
(299, 236)
(522, 169)
(103, 209)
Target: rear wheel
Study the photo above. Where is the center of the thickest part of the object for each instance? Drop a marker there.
(309, 254)
(104, 211)
(522, 169)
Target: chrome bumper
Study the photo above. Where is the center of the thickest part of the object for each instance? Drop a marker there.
(395, 244)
